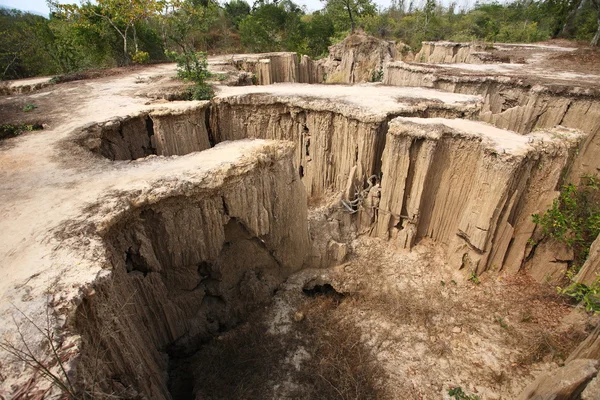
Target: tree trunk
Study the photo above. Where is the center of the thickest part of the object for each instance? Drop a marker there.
(125, 46)
(135, 39)
(570, 17)
(350, 15)
(596, 37)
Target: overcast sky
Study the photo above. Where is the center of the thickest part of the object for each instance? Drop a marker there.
(39, 6)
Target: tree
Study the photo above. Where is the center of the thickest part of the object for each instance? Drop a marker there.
(273, 27)
(346, 12)
(121, 15)
(186, 23)
(318, 30)
(237, 10)
(27, 45)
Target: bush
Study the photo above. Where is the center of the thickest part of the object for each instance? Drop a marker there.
(588, 296)
(141, 57)
(192, 66)
(202, 92)
(574, 218)
(9, 130)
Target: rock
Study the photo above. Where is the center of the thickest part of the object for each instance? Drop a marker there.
(566, 383)
(592, 390)
(360, 58)
(457, 329)
(449, 52)
(589, 348)
(209, 246)
(509, 102)
(437, 183)
(337, 252)
(591, 268)
(298, 316)
(550, 261)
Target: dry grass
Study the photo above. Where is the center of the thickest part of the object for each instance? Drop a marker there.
(251, 363)
(545, 345)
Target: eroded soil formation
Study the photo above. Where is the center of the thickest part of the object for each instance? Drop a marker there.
(297, 239)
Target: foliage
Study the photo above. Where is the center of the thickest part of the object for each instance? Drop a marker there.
(108, 33)
(237, 10)
(28, 107)
(588, 296)
(274, 27)
(192, 66)
(141, 57)
(318, 30)
(458, 394)
(574, 218)
(201, 92)
(474, 278)
(377, 75)
(27, 45)
(346, 13)
(121, 15)
(9, 130)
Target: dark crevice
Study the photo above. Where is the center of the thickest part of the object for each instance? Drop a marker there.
(150, 132)
(225, 208)
(135, 262)
(314, 290)
(307, 146)
(467, 240)
(209, 132)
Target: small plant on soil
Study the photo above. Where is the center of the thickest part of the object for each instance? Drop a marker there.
(192, 66)
(474, 278)
(29, 107)
(501, 322)
(9, 130)
(141, 57)
(458, 394)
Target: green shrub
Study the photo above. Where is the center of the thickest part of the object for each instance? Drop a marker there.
(201, 92)
(458, 394)
(588, 296)
(192, 66)
(141, 57)
(9, 130)
(29, 107)
(574, 218)
(377, 75)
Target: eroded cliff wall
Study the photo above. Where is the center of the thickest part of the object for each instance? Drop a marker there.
(449, 52)
(360, 58)
(331, 137)
(177, 130)
(468, 186)
(190, 264)
(512, 104)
